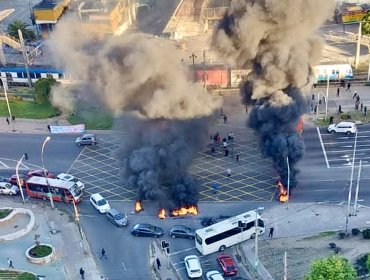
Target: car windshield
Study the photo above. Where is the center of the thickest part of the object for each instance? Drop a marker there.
(102, 202)
(119, 216)
(152, 228)
(76, 190)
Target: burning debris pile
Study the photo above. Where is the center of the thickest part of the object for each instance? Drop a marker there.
(164, 115)
(276, 39)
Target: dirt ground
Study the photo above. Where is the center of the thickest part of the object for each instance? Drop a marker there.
(301, 251)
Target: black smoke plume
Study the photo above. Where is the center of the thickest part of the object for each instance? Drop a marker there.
(277, 41)
(163, 114)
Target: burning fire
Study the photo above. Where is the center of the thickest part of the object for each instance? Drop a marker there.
(162, 213)
(283, 194)
(185, 210)
(138, 206)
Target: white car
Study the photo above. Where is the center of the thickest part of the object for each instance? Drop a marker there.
(343, 127)
(99, 203)
(214, 275)
(192, 265)
(71, 178)
(7, 188)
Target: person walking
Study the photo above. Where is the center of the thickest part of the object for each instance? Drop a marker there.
(338, 91)
(228, 172)
(237, 158)
(271, 233)
(82, 273)
(340, 109)
(354, 95)
(103, 255)
(348, 87)
(226, 152)
(10, 263)
(158, 263)
(7, 120)
(225, 119)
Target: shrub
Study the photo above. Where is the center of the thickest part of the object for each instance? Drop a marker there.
(345, 116)
(366, 233)
(332, 245)
(14, 98)
(356, 231)
(341, 235)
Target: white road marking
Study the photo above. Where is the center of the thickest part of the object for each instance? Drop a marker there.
(323, 148)
(123, 265)
(181, 251)
(2, 163)
(347, 151)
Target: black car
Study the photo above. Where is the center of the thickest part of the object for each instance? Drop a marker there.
(182, 232)
(146, 230)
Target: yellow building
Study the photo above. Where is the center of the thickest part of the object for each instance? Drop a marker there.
(47, 13)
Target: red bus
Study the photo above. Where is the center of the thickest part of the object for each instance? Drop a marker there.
(65, 191)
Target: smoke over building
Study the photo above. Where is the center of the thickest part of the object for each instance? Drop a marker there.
(165, 115)
(277, 40)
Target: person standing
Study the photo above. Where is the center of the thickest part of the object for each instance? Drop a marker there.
(348, 87)
(7, 120)
(354, 95)
(103, 255)
(10, 263)
(271, 233)
(237, 158)
(338, 91)
(158, 263)
(340, 109)
(82, 273)
(225, 119)
(228, 172)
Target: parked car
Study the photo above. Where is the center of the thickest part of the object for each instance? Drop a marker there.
(182, 232)
(70, 178)
(99, 203)
(41, 173)
(86, 139)
(117, 218)
(192, 265)
(214, 275)
(7, 188)
(343, 127)
(13, 179)
(227, 264)
(147, 230)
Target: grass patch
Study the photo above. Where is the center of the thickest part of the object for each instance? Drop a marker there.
(321, 235)
(352, 116)
(40, 251)
(4, 213)
(93, 118)
(28, 110)
(16, 275)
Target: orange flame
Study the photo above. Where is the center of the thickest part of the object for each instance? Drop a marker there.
(138, 206)
(192, 209)
(162, 213)
(283, 194)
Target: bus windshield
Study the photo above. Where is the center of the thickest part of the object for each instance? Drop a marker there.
(75, 190)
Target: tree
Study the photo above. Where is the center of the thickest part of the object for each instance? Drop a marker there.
(42, 89)
(331, 268)
(368, 262)
(365, 28)
(28, 35)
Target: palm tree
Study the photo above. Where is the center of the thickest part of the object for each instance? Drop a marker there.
(28, 35)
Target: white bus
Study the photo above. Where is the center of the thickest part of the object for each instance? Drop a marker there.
(229, 232)
(335, 72)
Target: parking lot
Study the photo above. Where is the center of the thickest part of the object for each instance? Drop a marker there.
(338, 148)
(252, 178)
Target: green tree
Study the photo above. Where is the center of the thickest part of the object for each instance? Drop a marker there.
(28, 35)
(365, 28)
(42, 89)
(331, 268)
(368, 262)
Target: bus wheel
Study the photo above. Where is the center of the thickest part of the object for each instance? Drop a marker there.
(222, 248)
(253, 236)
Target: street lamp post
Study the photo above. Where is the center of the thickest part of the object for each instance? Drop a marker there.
(47, 139)
(350, 184)
(288, 183)
(327, 98)
(5, 85)
(20, 183)
(193, 57)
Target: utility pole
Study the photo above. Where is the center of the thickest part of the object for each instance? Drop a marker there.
(350, 184)
(285, 266)
(327, 98)
(357, 61)
(25, 58)
(357, 188)
(193, 57)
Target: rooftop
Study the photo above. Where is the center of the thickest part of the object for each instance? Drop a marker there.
(47, 4)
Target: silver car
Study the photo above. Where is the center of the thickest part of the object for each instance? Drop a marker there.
(86, 139)
(117, 218)
(7, 188)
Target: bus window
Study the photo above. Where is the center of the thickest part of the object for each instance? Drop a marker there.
(199, 240)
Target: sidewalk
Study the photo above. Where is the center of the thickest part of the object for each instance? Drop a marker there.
(29, 126)
(166, 270)
(305, 219)
(72, 252)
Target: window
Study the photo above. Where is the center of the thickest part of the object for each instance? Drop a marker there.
(32, 75)
(19, 75)
(223, 235)
(38, 75)
(199, 240)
